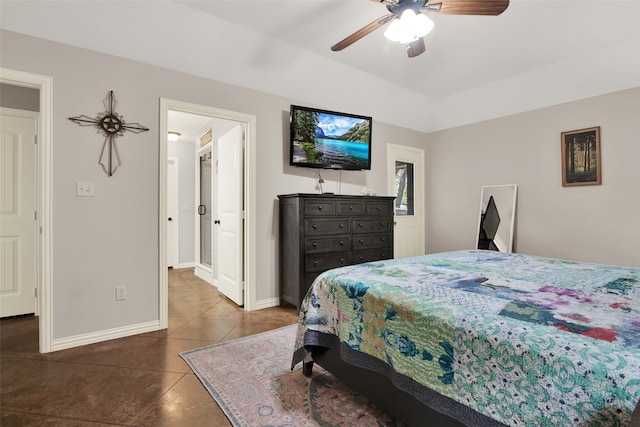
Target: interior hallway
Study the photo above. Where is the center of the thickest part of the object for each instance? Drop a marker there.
(134, 381)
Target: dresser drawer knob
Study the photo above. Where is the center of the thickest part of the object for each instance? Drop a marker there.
(382, 239)
(315, 244)
(315, 226)
(378, 208)
(382, 224)
(361, 225)
(341, 225)
(342, 242)
(320, 207)
(342, 260)
(315, 262)
(361, 258)
(361, 241)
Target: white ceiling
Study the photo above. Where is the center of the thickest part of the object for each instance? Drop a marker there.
(537, 53)
(191, 126)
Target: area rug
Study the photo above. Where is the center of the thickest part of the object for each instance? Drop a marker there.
(251, 380)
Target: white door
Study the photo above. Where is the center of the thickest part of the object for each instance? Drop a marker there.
(173, 238)
(18, 255)
(230, 215)
(405, 180)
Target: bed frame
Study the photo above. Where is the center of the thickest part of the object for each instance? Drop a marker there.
(379, 389)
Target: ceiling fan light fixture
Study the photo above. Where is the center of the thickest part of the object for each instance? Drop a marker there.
(423, 25)
(409, 27)
(394, 31)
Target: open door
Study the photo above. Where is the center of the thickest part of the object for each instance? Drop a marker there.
(173, 227)
(18, 238)
(231, 214)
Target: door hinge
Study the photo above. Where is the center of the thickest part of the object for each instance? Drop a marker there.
(35, 139)
(35, 215)
(35, 292)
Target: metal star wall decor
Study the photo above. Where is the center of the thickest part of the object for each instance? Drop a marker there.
(112, 125)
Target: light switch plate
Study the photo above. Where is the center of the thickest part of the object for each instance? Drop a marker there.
(85, 189)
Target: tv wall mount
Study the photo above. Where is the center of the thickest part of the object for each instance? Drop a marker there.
(112, 125)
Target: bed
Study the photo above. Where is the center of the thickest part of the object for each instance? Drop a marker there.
(481, 338)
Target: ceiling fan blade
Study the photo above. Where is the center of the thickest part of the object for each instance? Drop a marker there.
(415, 48)
(367, 29)
(468, 7)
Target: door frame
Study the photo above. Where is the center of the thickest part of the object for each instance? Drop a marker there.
(44, 199)
(250, 255)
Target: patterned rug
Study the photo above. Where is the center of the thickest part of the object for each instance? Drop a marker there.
(251, 380)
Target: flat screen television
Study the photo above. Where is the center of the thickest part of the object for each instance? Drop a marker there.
(329, 140)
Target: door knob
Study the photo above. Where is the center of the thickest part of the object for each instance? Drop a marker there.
(216, 221)
(170, 219)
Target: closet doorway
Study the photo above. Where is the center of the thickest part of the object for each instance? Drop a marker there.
(224, 183)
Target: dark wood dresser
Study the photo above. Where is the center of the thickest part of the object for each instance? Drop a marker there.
(319, 232)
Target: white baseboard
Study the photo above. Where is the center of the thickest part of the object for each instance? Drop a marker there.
(185, 265)
(203, 273)
(109, 334)
(266, 303)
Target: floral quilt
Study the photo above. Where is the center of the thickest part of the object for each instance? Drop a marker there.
(524, 340)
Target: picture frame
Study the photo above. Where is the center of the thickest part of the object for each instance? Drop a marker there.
(581, 157)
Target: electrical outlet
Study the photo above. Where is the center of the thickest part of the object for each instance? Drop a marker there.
(121, 293)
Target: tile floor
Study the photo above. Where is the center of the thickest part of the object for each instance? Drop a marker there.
(134, 381)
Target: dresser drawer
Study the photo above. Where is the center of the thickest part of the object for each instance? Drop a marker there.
(378, 208)
(351, 208)
(319, 207)
(370, 225)
(371, 255)
(322, 262)
(321, 227)
(327, 244)
(370, 241)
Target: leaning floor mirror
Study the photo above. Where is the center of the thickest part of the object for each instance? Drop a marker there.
(496, 224)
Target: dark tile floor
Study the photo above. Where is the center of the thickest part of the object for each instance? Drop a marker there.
(134, 381)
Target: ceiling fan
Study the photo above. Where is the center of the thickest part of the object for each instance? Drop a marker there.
(409, 23)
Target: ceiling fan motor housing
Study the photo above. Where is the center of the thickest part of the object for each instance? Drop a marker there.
(402, 5)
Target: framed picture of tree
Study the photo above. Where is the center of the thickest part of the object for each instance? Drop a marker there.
(581, 157)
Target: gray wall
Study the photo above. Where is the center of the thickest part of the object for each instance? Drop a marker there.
(591, 223)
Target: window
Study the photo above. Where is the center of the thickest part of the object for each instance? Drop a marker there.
(404, 188)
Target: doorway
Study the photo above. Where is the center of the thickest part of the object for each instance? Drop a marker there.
(248, 180)
(43, 196)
